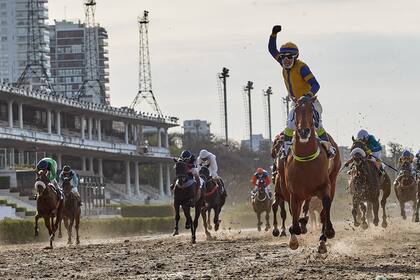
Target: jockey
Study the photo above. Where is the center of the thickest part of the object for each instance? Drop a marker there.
(406, 156)
(49, 166)
(300, 83)
(261, 174)
(207, 159)
(190, 160)
(417, 163)
(74, 180)
(374, 148)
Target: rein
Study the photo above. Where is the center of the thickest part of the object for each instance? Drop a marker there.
(210, 193)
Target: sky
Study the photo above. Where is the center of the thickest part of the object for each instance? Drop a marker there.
(364, 53)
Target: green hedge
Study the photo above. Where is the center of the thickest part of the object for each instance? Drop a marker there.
(11, 204)
(22, 231)
(3, 201)
(20, 209)
(147, 211)
(30, 213)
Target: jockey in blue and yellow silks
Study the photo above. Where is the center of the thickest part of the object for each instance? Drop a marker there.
(300, 83)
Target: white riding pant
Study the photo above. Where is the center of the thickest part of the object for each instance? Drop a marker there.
(317, 116)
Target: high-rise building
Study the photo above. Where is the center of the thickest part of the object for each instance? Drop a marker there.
(22, 27)
(68, 69)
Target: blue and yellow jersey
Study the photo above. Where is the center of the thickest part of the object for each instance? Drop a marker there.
(299, 79)
(373, 144)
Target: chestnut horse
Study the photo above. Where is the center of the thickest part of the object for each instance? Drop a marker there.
(309, 172)
(48, 205)
(406, 190)
(187, 194)
(261, 202)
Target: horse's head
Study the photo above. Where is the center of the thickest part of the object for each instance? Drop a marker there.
(406, 169)
(304, 119)
(67, 185)
(358, 143)
(181, 170)
(358, 155)
(260, 185)
(41, 181)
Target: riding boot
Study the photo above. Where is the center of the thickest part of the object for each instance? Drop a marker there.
(331, 152)
(286, 148)
(274, 172)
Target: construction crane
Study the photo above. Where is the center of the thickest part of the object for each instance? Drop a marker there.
(92, 88)
(35, 73)
(145, 74)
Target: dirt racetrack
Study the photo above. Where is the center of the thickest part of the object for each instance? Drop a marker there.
(235, 254)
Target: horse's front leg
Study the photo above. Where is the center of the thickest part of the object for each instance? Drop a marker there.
(364, 219)
(354, 210)
(216, 220)
(187, 213)
(296, 206)
(209, 219)
(204, 216)
(275, 208)
(375, 204)
(402, 209)
(177, 217)
(59, 230)
(48, 224)
(283, 218)
(327, 227)
(197, 213)
(259, 220)
(267, 219)
(383, 204)
(304, 221)
(415, 211)
(77, 227)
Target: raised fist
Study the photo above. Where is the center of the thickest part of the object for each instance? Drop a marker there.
(276, 29)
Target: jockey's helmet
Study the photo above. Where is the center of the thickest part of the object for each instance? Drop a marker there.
(289, 52)
(418, 154)
(43, 165)
(406, 153)
(66, 168)
(362, 135)
(204, 154)
(185, 155)
(260, 170)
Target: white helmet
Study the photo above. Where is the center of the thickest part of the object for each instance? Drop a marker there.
(362, 135)
(204, 154)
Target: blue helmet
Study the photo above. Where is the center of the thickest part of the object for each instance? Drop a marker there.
(186, 155)
(42, 165)
(406, 153)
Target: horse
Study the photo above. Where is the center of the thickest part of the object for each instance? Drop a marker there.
(214, 199)
(374, 180)
(71, 211)
(309, 172)
(406, 189)
(48, 205)
(261, 202)
(187, 194)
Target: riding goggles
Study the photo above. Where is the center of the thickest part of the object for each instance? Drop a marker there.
(287, 55)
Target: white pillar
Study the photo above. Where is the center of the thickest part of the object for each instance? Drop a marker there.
(168, 179)
(49, 121)
(127, 178)
(100, 171)
(161, 180)
(159, 138)
(82, 126)
(83, 163)
(99, 130)
(136, 178)
(21, 158)
(90, 124)
(135, 133)
(166, 138)
(91, 166)
(10, 111)
(59, 161)
(20, 115)
(126, 125)
(58, 124)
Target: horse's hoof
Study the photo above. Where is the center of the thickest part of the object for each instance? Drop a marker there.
(330, 233)
(404, 217)
(384, 224)
(303, 229)
(276, 232)
(193, 241)
(187, 226)
(209, 227)
(283, 233)
(293, 243)
(376, 222)
(416, 219)
(259, 228)
(267, 227)
(216, 227)
(175, 233)
(356, 224)
(48, 248)
(365, 225)
(60, 235)
(77, 242)
(322, 249)
(208, 237)
(69, 242)
(36, 233)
